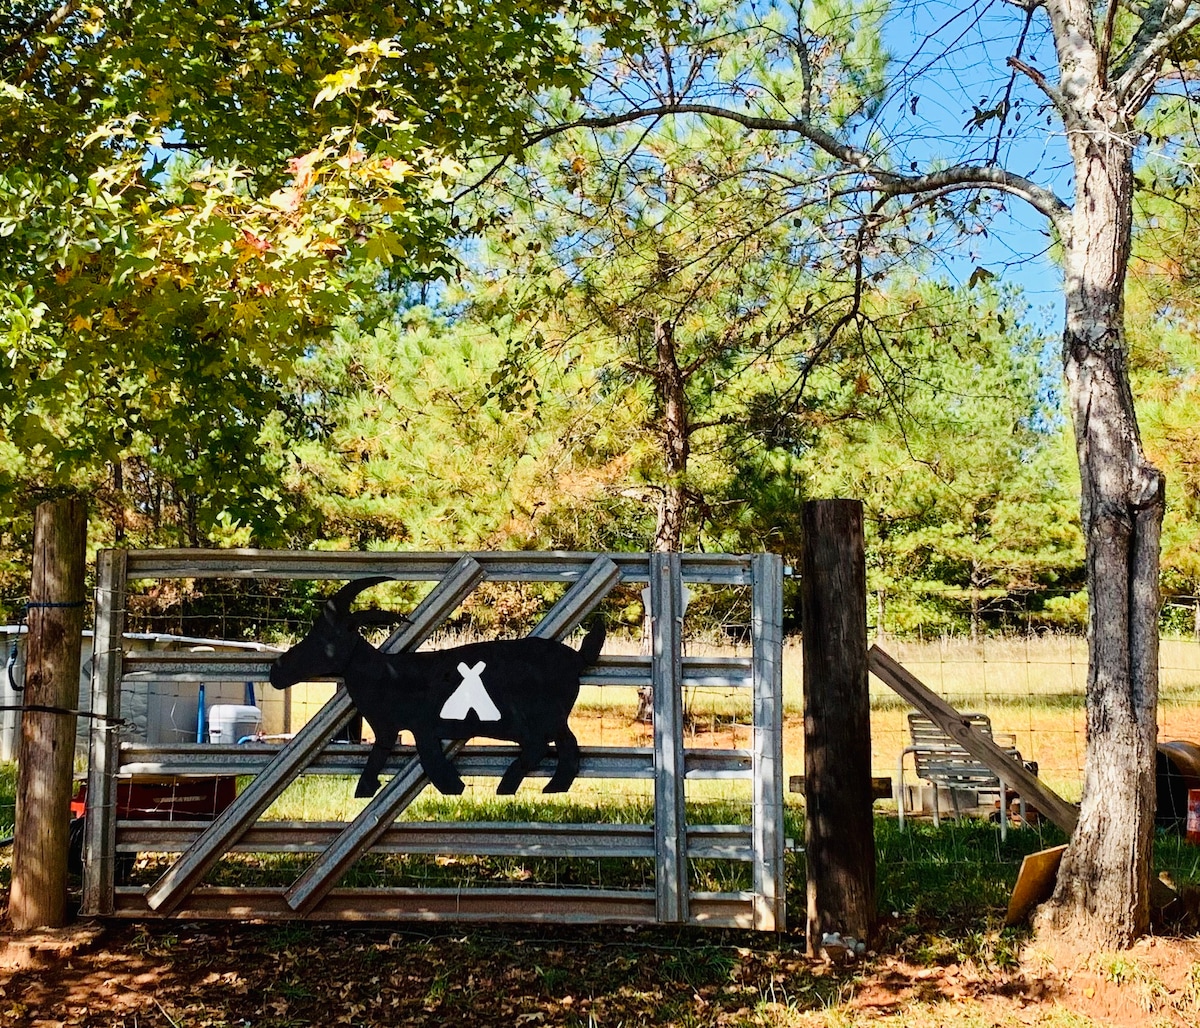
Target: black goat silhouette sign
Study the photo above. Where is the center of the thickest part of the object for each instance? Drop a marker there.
(515, 690)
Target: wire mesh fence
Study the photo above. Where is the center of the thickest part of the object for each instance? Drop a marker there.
(1031, 684)
(1030, 680)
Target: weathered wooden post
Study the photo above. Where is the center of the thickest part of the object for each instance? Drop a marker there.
(839, 830)
(47, 750)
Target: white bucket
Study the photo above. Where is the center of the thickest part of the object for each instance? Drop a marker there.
(229, 723)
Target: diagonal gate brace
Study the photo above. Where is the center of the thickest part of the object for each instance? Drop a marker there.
(314, 884)
(178, 881)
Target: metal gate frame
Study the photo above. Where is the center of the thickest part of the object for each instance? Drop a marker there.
(178, 893)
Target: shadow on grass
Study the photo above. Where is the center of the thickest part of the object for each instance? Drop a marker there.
(942, 892)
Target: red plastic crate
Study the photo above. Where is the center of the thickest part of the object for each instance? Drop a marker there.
(167, 797)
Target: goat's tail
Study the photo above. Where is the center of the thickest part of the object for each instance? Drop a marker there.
(589, 650)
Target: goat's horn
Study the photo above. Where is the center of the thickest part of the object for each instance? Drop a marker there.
(338, 605)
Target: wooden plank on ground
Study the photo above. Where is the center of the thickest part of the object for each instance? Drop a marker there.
(1035, 883)
(185, 874)
(983, 749)
(319, 878)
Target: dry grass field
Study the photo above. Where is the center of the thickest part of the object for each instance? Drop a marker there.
(1031, 688)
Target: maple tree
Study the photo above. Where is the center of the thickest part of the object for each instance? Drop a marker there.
(190, 191)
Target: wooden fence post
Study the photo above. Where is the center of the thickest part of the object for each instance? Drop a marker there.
(47, 751)
(839, 828)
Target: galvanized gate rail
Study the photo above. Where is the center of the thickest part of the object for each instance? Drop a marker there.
(670, 840)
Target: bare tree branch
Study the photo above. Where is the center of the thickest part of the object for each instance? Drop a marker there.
(1006, 103)
(849, 155)
(879, 178)
(1038, 79)
(967, 176)
(482, 180)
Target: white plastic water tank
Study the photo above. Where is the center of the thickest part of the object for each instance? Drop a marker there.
(229, 723)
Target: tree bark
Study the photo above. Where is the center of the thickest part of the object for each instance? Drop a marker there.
(120, 511)
(52, 647)
(1102, 894)
(671, 383)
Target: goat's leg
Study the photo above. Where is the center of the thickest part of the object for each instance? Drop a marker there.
(440, 772)
(530, 756)
(566, 748)
(368, 781)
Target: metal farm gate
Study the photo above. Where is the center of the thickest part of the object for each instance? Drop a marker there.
(181, 890)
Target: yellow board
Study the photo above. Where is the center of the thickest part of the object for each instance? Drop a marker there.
(1035, 883)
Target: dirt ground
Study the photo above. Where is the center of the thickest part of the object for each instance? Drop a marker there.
(169, 975)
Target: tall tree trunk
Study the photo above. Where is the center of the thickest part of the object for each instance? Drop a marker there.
(1102, 897)
(56, 601)
(670, 382)
(975, 592)
(120, 511)
(191, 505)
(980, 578)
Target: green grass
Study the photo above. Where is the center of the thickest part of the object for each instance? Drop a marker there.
(8, 798)
(8, 816)
(1178, 858)
(329, 798)
(950, 882)
(959, 870)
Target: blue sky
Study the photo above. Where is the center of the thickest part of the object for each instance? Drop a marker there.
(948, 61)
